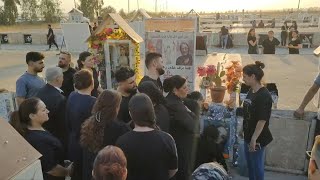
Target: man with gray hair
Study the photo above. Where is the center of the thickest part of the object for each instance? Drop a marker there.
(51, 95)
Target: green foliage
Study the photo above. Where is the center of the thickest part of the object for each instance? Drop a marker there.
(10, 12)
(109, 9)
(29, 10)
(50, 10)
(91, 8)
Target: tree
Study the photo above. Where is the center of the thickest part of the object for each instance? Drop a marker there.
(50, 10)
(29, 10)
(2, 17)
(105, 11)
(10, 11)
(122, 14)
(90, 8)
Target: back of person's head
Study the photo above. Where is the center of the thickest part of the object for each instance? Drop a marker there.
(124, 73)
(53, 73)
(20, 119)
(34, 57)
(104, 111)
(283, 28)
(142, 111)
(49, 25)
(154, 93)
(195, 95)
(110, 164)
(151, 57)
(82, 79)
(174, 82)
(255, 69)
(211, 133)
(82, 57)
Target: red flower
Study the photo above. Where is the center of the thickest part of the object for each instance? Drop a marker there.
(211, 70)
(201, 71)
(109, 31)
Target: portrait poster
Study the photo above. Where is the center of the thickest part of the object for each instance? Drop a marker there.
(178, 53)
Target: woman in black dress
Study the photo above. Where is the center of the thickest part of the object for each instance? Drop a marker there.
(86, 61)
(295, 43)
(28, 122)
(159, 102)
(252, 42)
(101, 129)
(184, 126)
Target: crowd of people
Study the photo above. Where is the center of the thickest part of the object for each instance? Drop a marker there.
(133, 132)
(269, 44)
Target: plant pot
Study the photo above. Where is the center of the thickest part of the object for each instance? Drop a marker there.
(217, 94)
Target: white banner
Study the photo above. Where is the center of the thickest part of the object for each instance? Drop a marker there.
(75, 36)
(178, 53)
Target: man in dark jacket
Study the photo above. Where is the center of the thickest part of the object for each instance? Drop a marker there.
(51, 95)
(68, 73)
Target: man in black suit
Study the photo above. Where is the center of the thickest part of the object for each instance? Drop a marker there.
(51, 95)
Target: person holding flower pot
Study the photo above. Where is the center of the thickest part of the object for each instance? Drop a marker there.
(256, 114)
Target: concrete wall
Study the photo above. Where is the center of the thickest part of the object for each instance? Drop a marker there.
(291, 141)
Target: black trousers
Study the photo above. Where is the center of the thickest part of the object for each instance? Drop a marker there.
(52, 41)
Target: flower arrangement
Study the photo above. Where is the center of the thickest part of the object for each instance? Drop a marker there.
(210, 76)
(234, 74)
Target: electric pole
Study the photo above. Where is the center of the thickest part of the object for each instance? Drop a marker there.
(128, 6)
(299, 5)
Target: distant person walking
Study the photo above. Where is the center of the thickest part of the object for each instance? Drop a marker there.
(295, 43)
(50, 38)
(269, 45)
(252, 42)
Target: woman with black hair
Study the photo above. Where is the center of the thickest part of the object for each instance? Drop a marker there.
(295, 44)
(28, 121)
(151, 153)
(252, 42)
(158, 101)
(86, 61)
(208, 149)
(184, 124)
(256, 114)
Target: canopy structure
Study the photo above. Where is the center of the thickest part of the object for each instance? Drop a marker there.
(115, 19)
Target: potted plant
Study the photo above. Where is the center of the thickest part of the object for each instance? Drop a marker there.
(234, 74)
(212, 79)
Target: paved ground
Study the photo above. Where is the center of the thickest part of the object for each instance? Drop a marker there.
(305, 67)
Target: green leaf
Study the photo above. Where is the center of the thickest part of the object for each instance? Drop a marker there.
(222, 73)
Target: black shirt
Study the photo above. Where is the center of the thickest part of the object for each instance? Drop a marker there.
(67, 85)
(123, 114)
(269, 47)
(294, 43)
(256, 107)
(112, 132)
(96, 83)
(50, 32)
(157, 82)
(162, 117)
(252, 49)
(51, 149)
(150, 155)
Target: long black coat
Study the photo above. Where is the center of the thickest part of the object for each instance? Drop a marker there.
(55, 103)
(184, 128)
